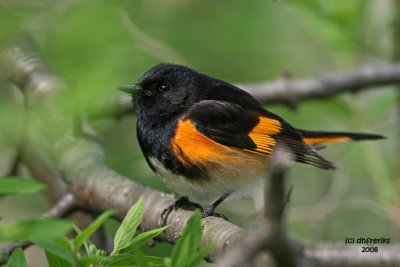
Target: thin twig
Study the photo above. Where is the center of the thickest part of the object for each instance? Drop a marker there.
(63, 207)
(153, 46)
(13, 171)
(268, 232)
(285, 252)
(274, 191)
(325, 85)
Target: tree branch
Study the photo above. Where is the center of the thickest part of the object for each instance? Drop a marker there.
(44, 170)
(287, 91)
(99, 188)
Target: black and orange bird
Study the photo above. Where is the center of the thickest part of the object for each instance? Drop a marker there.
(209, 140)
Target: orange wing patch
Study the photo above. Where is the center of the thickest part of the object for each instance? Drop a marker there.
(192, 147)
(262, 134)
(328, 139)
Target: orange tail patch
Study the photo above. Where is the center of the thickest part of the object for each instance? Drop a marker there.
(328, 139)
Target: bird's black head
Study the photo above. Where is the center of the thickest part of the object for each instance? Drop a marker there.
(167, 89)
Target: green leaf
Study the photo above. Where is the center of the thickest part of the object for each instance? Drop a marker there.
(167, 262)
(17, 259)
(3, 257)
(186, 247)
(141, 260)
(197, 258)
(90, 260)
(143, 238)
(129, 260)
(85, 234)
(38, 229)
(128, 226)
(56, 250)
(56, 261)
(15, 185)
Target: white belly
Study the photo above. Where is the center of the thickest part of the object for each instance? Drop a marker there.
(211, 188)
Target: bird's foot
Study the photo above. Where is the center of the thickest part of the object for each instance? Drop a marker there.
(181, 202)
(210, 212)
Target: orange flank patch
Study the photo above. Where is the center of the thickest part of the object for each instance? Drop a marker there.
(192, 147)
(224, 163)
(328, 139)
(262, 135)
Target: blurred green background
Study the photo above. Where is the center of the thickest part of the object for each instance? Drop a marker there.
(96, 45)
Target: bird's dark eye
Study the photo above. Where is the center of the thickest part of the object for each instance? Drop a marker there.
(164, 87)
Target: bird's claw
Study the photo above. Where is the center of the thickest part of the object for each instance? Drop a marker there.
(210, 212)
(179, 203)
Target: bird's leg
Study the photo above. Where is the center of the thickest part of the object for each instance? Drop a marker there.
(179, 203)
(210, 210)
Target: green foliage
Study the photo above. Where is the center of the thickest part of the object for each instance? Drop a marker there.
(123, 260)
(17, 259)
(85, 234)
(55, 260)
(143, 238)
(15, 185)
(34, 229)
(186, 251)
(58, 252)
(141, 260)
(128, 227)
(63, 252)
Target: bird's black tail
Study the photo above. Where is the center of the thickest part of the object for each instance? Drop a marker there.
(317, 137)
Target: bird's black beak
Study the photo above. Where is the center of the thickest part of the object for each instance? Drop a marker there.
(131, 89)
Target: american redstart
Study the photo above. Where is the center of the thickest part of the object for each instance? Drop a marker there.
(208, 139)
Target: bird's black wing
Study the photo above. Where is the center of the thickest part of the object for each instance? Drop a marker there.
(254, 130)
